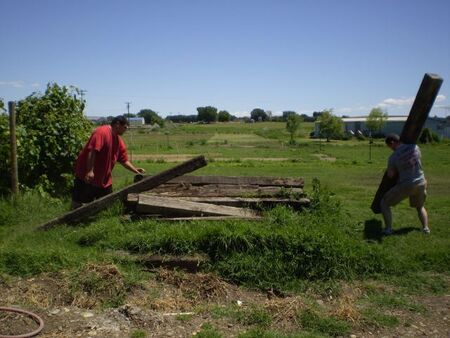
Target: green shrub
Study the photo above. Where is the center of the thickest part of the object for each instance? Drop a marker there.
(429, 136)
(51, 130)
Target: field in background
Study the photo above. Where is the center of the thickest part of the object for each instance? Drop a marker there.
(351, 169)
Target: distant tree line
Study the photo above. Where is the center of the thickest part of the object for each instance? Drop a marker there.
(211, 114)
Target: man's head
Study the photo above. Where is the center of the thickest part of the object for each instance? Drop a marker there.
(119, 124)
(392, 141)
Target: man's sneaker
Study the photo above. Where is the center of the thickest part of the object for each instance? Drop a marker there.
(426, 230)
(387, 231)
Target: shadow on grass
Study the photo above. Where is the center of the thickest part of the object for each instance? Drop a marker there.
(373, 230)
(403, 231)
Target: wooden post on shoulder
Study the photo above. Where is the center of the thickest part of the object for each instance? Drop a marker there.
(13, 144)
(145, 184)
(420, 109)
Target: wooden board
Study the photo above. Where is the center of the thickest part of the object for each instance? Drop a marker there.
(240, 180)
(240, 202)
(176, 207)
(224, 190)
(143, 185)
(197, 218)
(420, 109)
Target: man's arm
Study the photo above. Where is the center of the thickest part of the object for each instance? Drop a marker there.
(128, 165)
(391, 172)
(90, 166)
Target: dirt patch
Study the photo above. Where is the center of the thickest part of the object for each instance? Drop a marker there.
(186, 157)
(164, 157)
(97, 285)
(177, 304)
(324, 157)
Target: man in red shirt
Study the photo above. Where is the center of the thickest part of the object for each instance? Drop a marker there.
(96, 161)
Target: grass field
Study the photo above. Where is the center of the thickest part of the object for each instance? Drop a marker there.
(337, 243)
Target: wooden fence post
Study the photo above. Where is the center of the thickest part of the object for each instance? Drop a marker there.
(13, 144)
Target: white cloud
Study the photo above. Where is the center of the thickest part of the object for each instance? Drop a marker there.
(19, 84)
(400, 102)
(241, 113)
(440, 98)
(15, 84)
(361, 110)
(396, 102)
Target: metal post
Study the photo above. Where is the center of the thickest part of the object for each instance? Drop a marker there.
(13, 143)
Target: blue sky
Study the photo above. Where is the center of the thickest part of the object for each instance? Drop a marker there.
(175, 55)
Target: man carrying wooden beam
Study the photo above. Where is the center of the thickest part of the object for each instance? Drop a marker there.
(96, 161)
(405, 163)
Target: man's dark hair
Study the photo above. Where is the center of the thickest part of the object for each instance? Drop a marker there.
(119, 119)
(392, 138)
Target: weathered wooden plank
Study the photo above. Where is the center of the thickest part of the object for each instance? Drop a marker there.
(241, 180)
(418, 114)
(239, 202)
(176, 207)
(143, 185)
(197, 218)
(224, 190)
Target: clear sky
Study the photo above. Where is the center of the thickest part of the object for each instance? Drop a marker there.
(175, 55)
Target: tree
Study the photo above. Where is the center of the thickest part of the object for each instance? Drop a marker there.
(292, 124)
(330, 126)
(128, 115)
(51, 130)
(376, 120)
(287, 113)
(258, 114)
(207, 114)
(182, 118)
(151, 117)
(224, 116)
(2, 106)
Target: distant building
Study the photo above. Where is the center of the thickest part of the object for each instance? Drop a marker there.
(394, 124)
(136, 121)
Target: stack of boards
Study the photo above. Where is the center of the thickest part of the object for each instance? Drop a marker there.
(218, 197)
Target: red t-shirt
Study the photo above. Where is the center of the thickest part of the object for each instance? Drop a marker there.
(109, 149)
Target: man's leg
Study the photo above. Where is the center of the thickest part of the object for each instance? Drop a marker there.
(387, 216)
(394, 196)
(81, 194)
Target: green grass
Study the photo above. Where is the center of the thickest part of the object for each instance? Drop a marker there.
(377, 318)
(313, 321)
(339, 239)
(138, 334)
(208, 331)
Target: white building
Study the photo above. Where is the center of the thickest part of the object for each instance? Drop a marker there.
(394, 124)
(136, 121)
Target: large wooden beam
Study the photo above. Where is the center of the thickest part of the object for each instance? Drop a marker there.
(145, 184)
(224, 190)
(241, 180)
(238, 202)
(420, 109)
(180, 208)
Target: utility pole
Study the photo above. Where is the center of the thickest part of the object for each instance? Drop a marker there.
(128, 107)
(13, 143)
(131, 134)
(82, 92)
